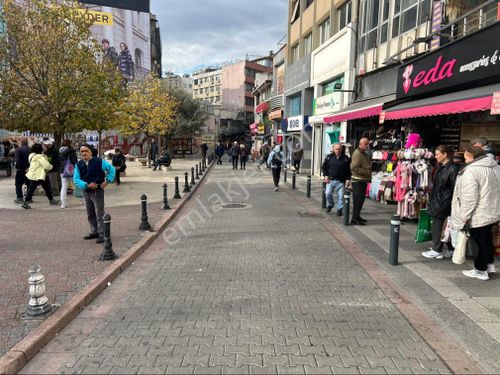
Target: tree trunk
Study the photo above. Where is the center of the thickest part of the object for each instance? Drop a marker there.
(57, 140)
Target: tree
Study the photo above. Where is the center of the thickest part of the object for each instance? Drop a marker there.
(191, 115)
(50, 76)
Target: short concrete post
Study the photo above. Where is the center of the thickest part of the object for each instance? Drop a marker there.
(346, 209)
(197, 176)
(107, 251)
(144, 215)
(394, 240)
(186, 183)
(308, 187)
(177, 194)
(201, 169)
(165, 206)
(294, 179)
(323, 196)
(193, 182)
(38, 303)
(284, 174)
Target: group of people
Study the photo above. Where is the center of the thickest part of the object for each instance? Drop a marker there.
(122, 61)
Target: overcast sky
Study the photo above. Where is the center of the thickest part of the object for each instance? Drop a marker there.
(205, 32)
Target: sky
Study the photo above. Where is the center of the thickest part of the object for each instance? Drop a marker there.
(197, 33)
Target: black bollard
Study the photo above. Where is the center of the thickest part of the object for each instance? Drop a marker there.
(107, 251)
(186, 183)
(323, 196)
(201, 169)
(284, 174)
(197, 176)
(165, 206)
(308, 187)
(294, 179)
(394, 240)
(144, 215)
(177, 194)
(347, 202)
(193, 182)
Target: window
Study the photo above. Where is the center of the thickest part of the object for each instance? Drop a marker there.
(295, 54)
(249, 72)
(249, 102)
(345, 15)
(425, 11)
(248, 87)
(408, 15)
(195, 82)
(295, 106)
(295, 12)
(308, 43)
(384, 27)
(138, 58)
(324, 31)
(327, 88)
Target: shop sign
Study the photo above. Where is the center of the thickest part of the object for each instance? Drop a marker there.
(471, 61)
(97, 18)
(495, 104)
(295, 124)
(328, 103)
(208, 138)
(275, 115)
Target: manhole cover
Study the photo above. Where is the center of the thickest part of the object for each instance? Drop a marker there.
(308, 214)
(234, 205)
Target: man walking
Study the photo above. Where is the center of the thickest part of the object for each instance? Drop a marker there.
(297, 157)
(235, 152)
(361, 169)
(204, 150)
(22, 165)
(153, 151)
(219, 152)
(337, 173)
(265, 150)
(90, 176)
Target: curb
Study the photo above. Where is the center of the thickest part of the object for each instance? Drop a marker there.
(19, 355)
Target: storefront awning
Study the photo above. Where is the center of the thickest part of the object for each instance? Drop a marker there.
(367, 108)
(478, 99)
(262, 107)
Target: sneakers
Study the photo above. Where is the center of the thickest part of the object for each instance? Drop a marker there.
(491, 268)
(481, 275)
(99, 240)
(18, 201)
(63, 205)
(432, 254)
(328, 209)
(91, 236)
(276, 188)
(53, 202)
(26, 206)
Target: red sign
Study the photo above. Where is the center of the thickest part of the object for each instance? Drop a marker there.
(262, 107)
(495, 104)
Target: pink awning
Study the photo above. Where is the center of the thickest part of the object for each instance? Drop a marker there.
(459, 106)
(262, 107)
(355, 114)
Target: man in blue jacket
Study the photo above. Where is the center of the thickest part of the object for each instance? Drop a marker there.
(90, 176)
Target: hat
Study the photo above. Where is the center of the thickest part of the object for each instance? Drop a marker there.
(48, 142)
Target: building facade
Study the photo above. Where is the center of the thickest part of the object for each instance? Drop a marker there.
(174, 81)
(155, 46)
(207, 85)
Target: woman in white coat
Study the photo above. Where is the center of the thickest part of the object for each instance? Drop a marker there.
(476, 202)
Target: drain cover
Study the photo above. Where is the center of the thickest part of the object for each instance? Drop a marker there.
(308, 214)
(234, 205)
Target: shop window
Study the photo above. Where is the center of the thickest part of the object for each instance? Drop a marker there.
(294, 106)
(324, 31)
(295, 12)
(308, 43)
(345, 14)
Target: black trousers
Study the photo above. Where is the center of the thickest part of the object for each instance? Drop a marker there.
(117, 175)
(358, 198)
(436, 229)
(484, 238)
(235, 162)
(276, 176)
(219, 159)
(32, 186)
(243, 163)
(296, 165)
(20, 181)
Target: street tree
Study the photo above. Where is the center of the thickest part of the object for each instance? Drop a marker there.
(51, 79)
(191, 115)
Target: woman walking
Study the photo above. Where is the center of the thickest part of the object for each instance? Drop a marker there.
(476, 204)
(275, 160)
(440, 201)
(67, 162)
(37, 174)
(243, 156)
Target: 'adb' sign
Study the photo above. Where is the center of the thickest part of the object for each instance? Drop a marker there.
(295, 123)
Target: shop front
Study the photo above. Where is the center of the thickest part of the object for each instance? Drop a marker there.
(296, 131)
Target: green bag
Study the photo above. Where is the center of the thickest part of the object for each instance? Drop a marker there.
(424, 233)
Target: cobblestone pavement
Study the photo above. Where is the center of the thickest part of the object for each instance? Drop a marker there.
(260, 289)
(53, 238)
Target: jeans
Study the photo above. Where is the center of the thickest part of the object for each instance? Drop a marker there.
(358, 198)
(64, 188)
(484, 238)
(94, 202)
(339, 187)
(55, 181)
(20, 181)
(276, 176)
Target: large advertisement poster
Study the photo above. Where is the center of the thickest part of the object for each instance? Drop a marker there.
(138, 5)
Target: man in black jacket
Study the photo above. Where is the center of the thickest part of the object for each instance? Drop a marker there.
(53, 157)
(22, 165)
(337, 171)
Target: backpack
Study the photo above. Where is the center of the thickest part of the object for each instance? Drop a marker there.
(276, 160)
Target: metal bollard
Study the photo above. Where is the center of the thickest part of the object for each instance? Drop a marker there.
(144, 215)
(107, 250)
(38, 303)
(193, 182)
(284, 174)
(347, 203)
(197, 176)
(165, 206)
(323, 196)
(201, 169)
(294, 179)
(394, 240)
(308, 187)
(186, 183)
(177, 194)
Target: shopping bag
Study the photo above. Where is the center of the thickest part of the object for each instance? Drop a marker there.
(68, 169)
(446, 232)
(424, 227)
(459, 253)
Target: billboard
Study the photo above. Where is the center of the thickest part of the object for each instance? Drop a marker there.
(138, 5)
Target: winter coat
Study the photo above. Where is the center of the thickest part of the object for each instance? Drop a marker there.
(219, 150)
(111, 56)
(66, 153)
(276, 158)
(297, 155)
(126, 64)
(53, 158)
(476, 194)
(442, 191)
(337, 168)
(22, 154)
(361, 167)
(39, 166)
(243, 153)
(118, 161)
(235, 150)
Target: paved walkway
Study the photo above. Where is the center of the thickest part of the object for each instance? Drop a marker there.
(260, 287)
(52, 237)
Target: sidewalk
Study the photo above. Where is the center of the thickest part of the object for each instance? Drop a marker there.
(258, 286)
(53, 238)
(468, 309)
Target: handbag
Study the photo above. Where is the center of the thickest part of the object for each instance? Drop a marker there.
(472, 247)
(459, 253)
(424, 233)
(69, 169)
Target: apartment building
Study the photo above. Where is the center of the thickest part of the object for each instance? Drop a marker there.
(174, 81)
(207, 85)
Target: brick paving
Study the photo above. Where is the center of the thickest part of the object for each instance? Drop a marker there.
(255, 290)
(53, 238)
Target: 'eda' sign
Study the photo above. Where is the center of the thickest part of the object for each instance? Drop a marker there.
(295, 123)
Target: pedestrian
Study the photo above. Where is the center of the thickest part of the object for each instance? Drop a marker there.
(337, 171)
(361, 175)
(67, 162)
(37, 175)
(243, 156)
(219, 152)
(90, 176)
(165, 160)
(439, 207)
(476, 205)
(297, 157)
(53, 158)
(265, 150)
(119, 164)
(22, 165)
(153, 151)
(275, 160)
(125, 64)
(204, 150)
(110, 56)
(235, 152)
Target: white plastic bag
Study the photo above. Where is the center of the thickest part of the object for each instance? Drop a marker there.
(459, 253)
